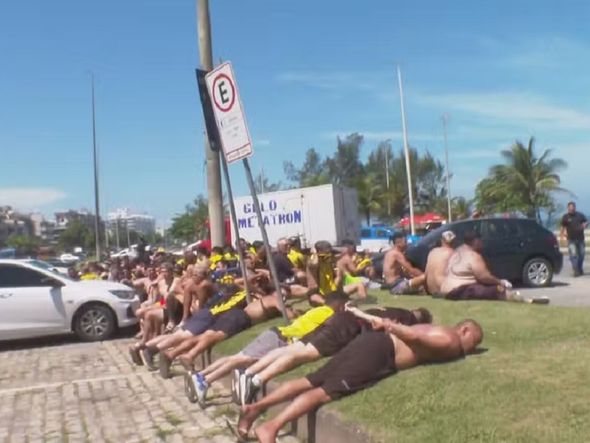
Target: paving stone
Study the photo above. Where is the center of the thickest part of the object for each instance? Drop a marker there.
(90, 392)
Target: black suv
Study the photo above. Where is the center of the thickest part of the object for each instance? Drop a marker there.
(518, 250)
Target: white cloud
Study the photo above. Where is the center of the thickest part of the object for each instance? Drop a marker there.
(511, 108)
(29, 198)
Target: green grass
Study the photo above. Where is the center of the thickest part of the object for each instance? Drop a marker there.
(531, 385)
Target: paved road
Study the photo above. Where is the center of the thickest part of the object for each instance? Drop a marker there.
(567, 290)
(66, 391)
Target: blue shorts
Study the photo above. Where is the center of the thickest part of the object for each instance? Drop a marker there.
(199, 322)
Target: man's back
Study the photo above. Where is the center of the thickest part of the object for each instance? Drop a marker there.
(460, 269)
(444, 344)
(436, 268)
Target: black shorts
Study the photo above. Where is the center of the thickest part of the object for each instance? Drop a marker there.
(370, 357)
(477, 291)
(232, 322)
(335, 334)
(199, 322)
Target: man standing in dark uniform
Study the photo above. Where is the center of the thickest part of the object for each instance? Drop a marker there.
(572, 227)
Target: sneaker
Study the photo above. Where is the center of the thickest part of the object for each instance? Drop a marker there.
(147, 357)
(202, 388)
(539, 300)
(252, 393)
(190, 387)
(243, 384)
(235, 386)
(165, 364)
(135, 357)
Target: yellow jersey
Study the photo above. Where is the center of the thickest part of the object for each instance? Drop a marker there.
(326, 278)
(307, 323)
(89, 276)
(297, 259)
(214, 259)
(234, 300)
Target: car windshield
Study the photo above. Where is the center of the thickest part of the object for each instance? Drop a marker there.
(48, 267)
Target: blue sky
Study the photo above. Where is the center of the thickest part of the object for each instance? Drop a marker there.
(307, 72)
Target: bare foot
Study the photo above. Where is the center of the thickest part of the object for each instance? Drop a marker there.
(187, 363)
(265, 433)
(247, 417)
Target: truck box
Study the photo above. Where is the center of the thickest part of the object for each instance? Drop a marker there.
(326, 212)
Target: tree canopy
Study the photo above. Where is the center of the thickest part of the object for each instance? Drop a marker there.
(369, 178)
(191, 225)
(525, 182)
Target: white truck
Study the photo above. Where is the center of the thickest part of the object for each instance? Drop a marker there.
(326, 212)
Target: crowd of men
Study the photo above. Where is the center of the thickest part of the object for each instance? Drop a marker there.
(191, 303)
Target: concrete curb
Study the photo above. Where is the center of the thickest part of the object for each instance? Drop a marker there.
(320, 426)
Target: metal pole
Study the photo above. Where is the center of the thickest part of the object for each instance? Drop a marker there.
(96, 200)
(214, 194)
(445, 118)
(234, 220)
(271, 262)
(117, 235)
(406, 151)
(127, 228)
(387, 179)
(106, 235)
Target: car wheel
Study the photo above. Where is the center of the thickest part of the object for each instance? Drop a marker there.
(94, 322)
(537, 273)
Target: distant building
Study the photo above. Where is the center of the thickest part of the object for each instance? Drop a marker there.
(123, 218)
(13, 223)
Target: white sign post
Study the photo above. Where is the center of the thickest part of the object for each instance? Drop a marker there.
(229, 114)
(236, 144)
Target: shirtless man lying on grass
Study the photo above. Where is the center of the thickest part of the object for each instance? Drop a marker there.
(326, 341)
(369, 358)
(270, 340)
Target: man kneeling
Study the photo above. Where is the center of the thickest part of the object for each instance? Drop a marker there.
(369, 358)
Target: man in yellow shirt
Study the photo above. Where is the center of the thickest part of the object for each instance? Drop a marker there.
(270, 340)
(295, 255)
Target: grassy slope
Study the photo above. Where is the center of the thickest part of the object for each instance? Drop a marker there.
(532, 383)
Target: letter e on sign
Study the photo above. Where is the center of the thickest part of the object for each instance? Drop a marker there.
(229, 114)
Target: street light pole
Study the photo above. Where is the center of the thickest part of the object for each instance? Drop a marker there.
(214, 194)
(386, 149)
(406, 151)
(445, 118)
(96, 199)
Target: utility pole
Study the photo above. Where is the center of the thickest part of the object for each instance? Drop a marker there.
(214, 194)
(386, 149)
(127, 228)
(96, 200)
(406, 151)
(117, 235)
(445, 119)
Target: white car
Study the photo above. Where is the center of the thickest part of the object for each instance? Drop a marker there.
(37, 301)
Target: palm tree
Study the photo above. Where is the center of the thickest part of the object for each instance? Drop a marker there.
(370, 194)
(528, 179)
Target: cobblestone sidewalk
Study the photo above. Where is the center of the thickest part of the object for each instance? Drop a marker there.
(90, 392)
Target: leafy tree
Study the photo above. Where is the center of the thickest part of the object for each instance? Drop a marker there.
(461, 208)
(77, 234)
(369, 193)
(263, 184)
(345, 167)
(192, 224)
(311, 173)
(524, 182)
(24, 244)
